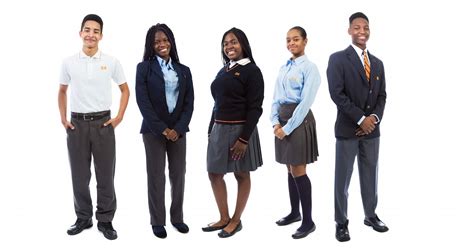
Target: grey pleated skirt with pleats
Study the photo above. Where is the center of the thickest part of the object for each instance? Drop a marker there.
(219, 156)
(301, 146)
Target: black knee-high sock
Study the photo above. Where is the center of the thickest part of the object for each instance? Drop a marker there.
(304, 189)
(294, 197)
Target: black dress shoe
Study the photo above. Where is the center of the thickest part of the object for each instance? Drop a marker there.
(210, 228)
(181, 227)
(342, 232)
(159, 231)
(107, 229)
(79, 226)
(224, 234)
(376, 224)
(288, 220)
(301, 234)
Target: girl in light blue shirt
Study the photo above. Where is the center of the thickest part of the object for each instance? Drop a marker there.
(294, 127)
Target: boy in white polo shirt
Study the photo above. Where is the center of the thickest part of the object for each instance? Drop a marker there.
(90, 132)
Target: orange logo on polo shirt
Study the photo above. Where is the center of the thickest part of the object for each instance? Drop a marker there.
(103, 67)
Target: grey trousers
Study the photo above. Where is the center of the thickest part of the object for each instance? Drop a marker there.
(157, 148)
(90, 140)
(367, 152)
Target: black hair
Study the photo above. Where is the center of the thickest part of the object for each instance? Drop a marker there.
(357, 15)
(244, 43)
(301, 31)
(149, 53)
(93, 17)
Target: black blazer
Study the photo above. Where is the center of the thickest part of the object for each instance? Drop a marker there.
(351, 92)
(151, 98)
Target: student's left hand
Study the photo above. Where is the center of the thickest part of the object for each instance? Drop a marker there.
(115, 122)
(280, 134)
(238, 150)
(172, 135)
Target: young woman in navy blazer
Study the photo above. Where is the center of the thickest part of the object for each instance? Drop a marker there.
(165, 97)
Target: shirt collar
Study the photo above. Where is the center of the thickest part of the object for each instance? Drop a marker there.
(95, 56)
(296, 61)
(163, 63)
(241, 62)
(358, 50)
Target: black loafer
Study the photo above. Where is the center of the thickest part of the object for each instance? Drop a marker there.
(224, 234)
(288, 220)
(181, 227)
(159, 231)
(301, 234)
(79, 226)
(107, 229)
(376, 224)
(342, 232)
(210, 228)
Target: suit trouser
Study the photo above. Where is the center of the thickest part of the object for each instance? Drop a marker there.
(156, 149)
(91, 139)
(367, 152)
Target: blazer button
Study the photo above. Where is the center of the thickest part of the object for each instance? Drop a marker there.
(368, 106)
(370, 91)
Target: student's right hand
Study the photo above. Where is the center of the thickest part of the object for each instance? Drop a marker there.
(275, 128)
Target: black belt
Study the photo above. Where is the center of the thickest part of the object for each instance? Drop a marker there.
(90, 116)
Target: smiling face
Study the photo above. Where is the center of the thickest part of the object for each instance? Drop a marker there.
(295, 43)
(162, 45)
(91, 34)
(360, 32)
(231, 47)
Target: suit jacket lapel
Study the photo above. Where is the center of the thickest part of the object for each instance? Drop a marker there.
(355, 60)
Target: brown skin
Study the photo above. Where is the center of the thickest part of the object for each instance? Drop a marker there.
(91, 34)
(233, 51)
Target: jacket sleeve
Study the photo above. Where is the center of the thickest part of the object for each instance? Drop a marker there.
(151, 119)
(337, 89)
(188, 106)
(381, 97)
(255, 89)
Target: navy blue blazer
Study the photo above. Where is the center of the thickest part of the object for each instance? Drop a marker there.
(151, 98)
(352, 93)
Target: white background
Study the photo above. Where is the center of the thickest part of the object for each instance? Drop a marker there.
(425, 161)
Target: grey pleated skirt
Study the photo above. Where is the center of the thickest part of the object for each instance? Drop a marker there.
(301, 146)
(219, 156)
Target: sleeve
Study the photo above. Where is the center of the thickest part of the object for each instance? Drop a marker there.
(118, 75)
(188, 106)
(312, 80)
(335, 76)
(274, 117)
(381, 97)
(255, 90)
(150, 117)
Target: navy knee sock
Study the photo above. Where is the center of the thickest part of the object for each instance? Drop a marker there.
(294, 197)
(304, 189)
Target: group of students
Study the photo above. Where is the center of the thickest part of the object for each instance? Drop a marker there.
(165, 97)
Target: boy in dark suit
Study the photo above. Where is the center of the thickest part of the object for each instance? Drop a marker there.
(357, 86)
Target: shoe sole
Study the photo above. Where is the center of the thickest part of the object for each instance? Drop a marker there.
(87, 227)
(378, 230)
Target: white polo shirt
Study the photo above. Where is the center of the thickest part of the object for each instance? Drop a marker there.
(89, 79)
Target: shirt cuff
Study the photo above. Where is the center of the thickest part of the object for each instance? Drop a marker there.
(361, 120)
(376, 117)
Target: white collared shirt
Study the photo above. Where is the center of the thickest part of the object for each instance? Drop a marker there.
(90, 81)
(361, 55)
(241, 62)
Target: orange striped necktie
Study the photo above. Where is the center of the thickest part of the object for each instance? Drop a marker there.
(366, 65)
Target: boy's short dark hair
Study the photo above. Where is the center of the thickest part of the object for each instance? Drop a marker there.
(93, 17)
(357, 15)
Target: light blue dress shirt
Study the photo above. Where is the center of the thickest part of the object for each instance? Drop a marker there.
(297, 82)
(171, 83)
